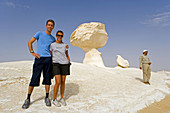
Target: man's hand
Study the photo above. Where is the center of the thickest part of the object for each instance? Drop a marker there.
(35, 55)
(149, 63)
(140, 67)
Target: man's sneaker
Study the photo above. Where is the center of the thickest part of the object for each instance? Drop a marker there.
(145, 82)
(47, 102)
(56, 103)
(26, 104)
(148, 83)
(63, 102)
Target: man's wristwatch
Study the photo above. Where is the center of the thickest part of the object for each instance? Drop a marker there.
(31, 51)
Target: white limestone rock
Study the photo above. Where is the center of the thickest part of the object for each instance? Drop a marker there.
(89, 37)
(122, 62)
(93, 57)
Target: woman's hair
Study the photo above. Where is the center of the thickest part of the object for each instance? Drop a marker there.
(59, 31)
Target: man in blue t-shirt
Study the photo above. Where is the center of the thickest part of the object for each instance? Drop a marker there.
(42, 61)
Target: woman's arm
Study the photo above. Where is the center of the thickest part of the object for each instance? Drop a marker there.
(51, 53)
(67, 53)
(67, 56)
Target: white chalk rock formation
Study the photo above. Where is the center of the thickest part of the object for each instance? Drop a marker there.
(89, 37)
(93, 57)
(122, 62)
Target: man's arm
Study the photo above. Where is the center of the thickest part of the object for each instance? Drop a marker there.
(31, 49)
(149, 62)
(140, 61)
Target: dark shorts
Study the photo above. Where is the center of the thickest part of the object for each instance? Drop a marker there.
(42, 64)
(60, 69)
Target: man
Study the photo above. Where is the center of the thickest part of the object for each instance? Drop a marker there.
(42, 61)
(144, 60)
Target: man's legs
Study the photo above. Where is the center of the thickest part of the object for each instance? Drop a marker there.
(47, 75)
(47, 89)
(148, 73)
(144, 73)
(30, 90)
(47, 100)
(37, 68)
(47, 78)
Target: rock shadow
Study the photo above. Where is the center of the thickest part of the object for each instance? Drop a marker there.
(71, 89)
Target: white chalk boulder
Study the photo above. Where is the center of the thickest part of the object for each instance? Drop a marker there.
(89, 37)
(93, 57)
(121, 62)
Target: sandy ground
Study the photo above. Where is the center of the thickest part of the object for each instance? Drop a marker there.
(89, 89)
(158, 107)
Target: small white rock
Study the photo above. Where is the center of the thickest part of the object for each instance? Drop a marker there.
(122, 62)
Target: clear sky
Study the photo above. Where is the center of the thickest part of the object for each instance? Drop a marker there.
(132, 26)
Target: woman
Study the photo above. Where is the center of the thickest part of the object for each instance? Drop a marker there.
(61, 67)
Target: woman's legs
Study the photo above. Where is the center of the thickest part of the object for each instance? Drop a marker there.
(56, 87)
(62, 87)
(59, 80)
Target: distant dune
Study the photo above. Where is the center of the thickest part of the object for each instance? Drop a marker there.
(89, 89)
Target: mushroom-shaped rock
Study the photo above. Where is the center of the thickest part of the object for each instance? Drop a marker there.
(122, 62)
(89, 37)
(93, 57)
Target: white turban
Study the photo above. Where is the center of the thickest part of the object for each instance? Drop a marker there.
(144, 51)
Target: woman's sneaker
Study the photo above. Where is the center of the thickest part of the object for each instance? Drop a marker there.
(56, 103)
(63, 102)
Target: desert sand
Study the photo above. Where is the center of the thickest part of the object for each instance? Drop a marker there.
(158, 107)
(89, 89)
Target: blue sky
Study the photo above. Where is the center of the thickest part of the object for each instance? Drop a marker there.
(132, 26)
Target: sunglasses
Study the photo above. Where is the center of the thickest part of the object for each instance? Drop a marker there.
(60, 35)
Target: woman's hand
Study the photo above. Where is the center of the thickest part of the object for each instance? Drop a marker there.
(67, 46)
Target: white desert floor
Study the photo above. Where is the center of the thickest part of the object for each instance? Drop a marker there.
(89, 89)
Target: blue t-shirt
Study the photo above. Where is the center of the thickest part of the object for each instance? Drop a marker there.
(43, 43)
